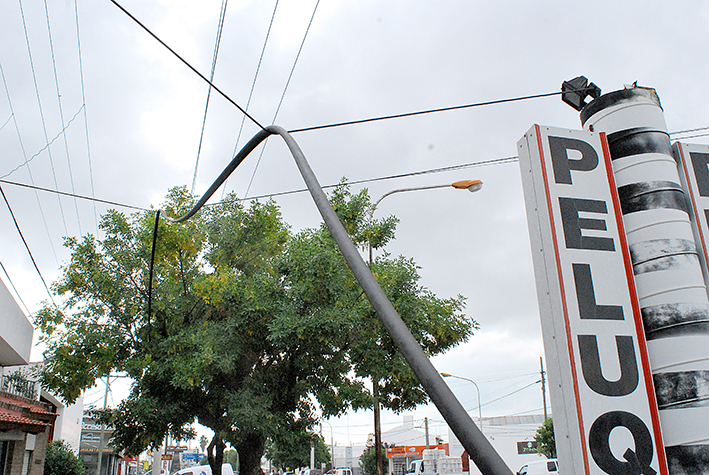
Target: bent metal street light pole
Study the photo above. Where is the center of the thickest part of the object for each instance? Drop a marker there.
(470, 185)
(480, 411)
(481, 451)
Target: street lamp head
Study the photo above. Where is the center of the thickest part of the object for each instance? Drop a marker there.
(445, 375)
(470, 185)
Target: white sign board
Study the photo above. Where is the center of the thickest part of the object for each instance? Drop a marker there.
(694, 173)
(603, 401)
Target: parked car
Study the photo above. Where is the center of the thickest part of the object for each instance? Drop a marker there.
(540, 467)
(342, 471)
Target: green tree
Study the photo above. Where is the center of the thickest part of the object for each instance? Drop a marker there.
(546, 444)
(61, 460)
(292, 450)
(250, 325)
(368, 463)
(203, 442)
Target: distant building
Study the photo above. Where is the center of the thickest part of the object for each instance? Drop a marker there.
(511, 436)
(95, 438)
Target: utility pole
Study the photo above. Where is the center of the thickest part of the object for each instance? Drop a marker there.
(544, 392)
(103, 429)
(377, 424)
(425, 422)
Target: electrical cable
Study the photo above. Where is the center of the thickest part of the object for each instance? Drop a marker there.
(41, 114)
(253, 85)
(422, 112)
(194, 70)
(61, 114)
(17, 226)
(692, 136)
(28, 160)
(82, 197)
(285, 89)
(689, 130)
(7, 121)
(509, 394)
(83, 103)
(29, 171)
(152, 263)
(220, 26)
(494, 161)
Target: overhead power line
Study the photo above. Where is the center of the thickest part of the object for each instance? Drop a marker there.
(285, 89)
(28, 160)
(217, 42)
(29, 170)
(7, 121)
(17, 226)
(61, 114)
(422, 112)
(253, 85)
(494, 161)
(222, 93)
(73, 195)
(689, 130)
(83, 103)
(41, 114)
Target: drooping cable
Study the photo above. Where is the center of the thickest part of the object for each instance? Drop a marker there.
(28, 160)
(194, 70)
(41, 113)
(152, 264)
(253, 85)
(61, 114)
(29, 170)
(217, 42)
(285, 89)
(17, 226)
(83, 103)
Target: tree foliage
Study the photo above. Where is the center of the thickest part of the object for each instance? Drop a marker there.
(546, 444)
(60, 460)
(250, 324)
(368, 462)
(292, 450)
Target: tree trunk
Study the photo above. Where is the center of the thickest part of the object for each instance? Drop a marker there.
(215, 454)
(250, 450)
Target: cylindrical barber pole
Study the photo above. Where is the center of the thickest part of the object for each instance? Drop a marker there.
(670, 284)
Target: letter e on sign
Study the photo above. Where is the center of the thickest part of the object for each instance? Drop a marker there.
(597, 360)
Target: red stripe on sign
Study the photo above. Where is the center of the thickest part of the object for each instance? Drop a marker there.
(637, 316)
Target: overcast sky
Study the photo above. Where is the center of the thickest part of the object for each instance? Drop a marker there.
(361, 59)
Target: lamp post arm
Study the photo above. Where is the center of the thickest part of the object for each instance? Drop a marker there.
(475, 443)
(401, 190)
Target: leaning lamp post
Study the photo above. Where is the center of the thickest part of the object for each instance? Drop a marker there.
(480, 412)
(475, 443)
(471, 186)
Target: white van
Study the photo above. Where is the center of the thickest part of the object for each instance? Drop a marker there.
(205, 470)
(540, 467)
